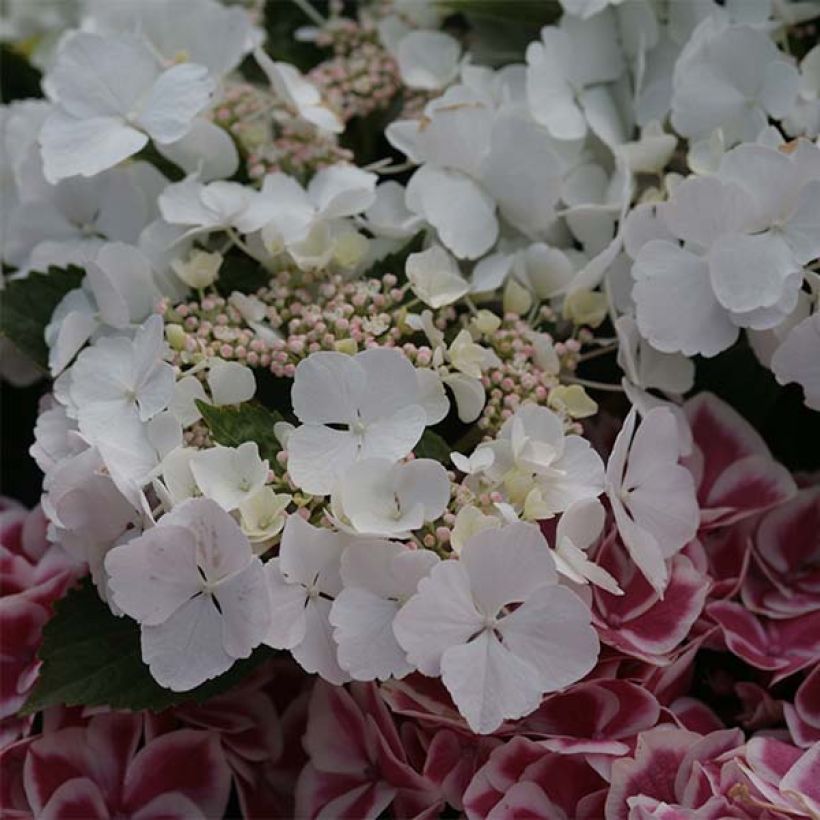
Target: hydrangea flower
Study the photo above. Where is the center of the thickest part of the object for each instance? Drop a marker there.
(373, 395)
(495, 661)
(652, 496)
(111, 95)
(196, 589)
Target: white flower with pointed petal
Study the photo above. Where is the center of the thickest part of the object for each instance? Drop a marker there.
(378, 577)
(798, 359)
(111, 95)
(303, 581)
(578, 529)
(230, 475)
(214, 206)
(435, 277)
(300, 94)
(197, 591)
(263, 516)
(374, 394)
(653, 497)
(532, 452)
(495, 663)
(377, 497)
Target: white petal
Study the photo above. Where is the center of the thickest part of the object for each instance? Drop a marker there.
(317, 650)
(206, 150)
(154, 575)
(676, 307)
(316, 454)
(186, 650)
(363, 629)
(72, 146)
(231, 383)
(461, 212)
(177, 96)
(582, 523)
(432, 396)
(750, 272)
(551, 630)
(488, 683)
(428, 59)
(435, 278)
(505, 565)
(342, 190)
(246, 610)
(287, 603)
(440, 615)
(327, 387)
(469, 395)
(797, 359)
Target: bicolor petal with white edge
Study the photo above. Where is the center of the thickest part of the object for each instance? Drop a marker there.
(374, 396)
(652, 496)
(497, 663)
(378, 577)
(197, 591)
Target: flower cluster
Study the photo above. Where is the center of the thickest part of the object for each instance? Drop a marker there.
(348, 411)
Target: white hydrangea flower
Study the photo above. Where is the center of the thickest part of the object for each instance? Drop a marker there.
(535, 464)
(303, 582)
(378, 577)
(497, 663)
(111, 95)
(797, 359)
(578, 529)
(374, 395)
(428, 60)
(230, 475)
(197, 591)
(731, 77)
(300, 94)
(435, 277)
(378, 497)
(653, 497)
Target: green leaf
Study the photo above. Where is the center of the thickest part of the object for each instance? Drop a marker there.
(432, 445)
(27, 307)
(92, 658)
(231, 425)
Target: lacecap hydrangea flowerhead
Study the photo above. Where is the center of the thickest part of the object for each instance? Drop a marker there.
(385, 345)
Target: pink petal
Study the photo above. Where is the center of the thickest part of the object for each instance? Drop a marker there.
(651, 772)
(336, 737)
(340, 796)
(738, 476)
(187, 761)
(802, 781)
(807, 699)
(78, 798)
(667, 622)
(51, 761)
(172, 806)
